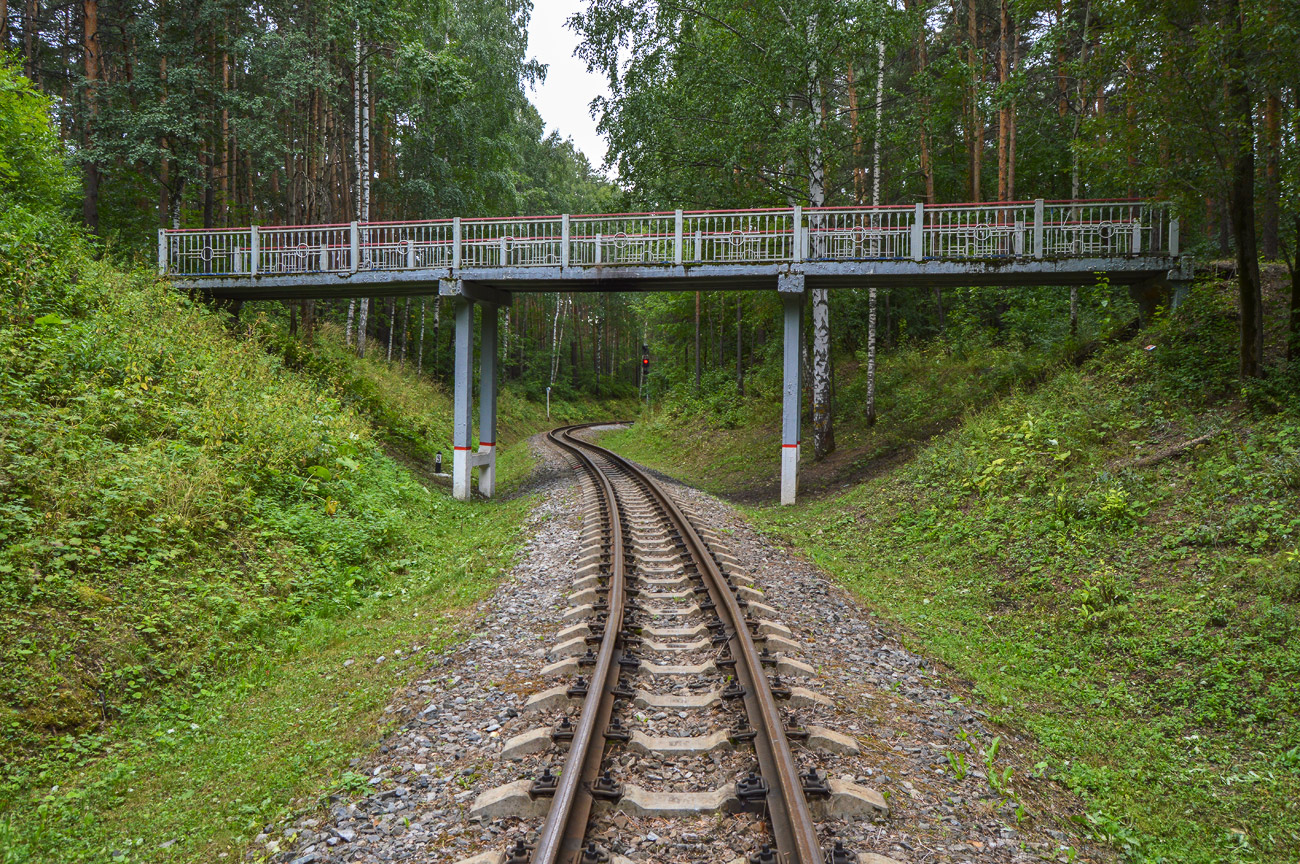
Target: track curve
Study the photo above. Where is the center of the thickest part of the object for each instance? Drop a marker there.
(561, 838)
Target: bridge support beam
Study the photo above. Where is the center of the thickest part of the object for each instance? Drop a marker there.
(462, 401)
(1181, 277)
(464, 458)
(487, 395)
(791, 289)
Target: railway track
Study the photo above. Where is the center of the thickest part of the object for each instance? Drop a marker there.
(646, 564)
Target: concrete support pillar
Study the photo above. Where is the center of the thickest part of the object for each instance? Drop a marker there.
(462, 431)
(487, 404)
(791, 290)
(1181, 277)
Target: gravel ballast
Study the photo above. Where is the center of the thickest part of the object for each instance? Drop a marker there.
(915, 730)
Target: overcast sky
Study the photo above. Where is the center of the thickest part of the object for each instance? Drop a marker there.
(564, 99)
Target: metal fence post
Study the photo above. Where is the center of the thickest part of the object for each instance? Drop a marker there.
(256, 248)
(1137, 236)
(677, 237)
(1173, 237)
(355, 248)
(564, 241)
(455, 242)
(162, 251)
(918, 232)
(503, 251)
(325, 254)
(796, 229)
(699, 245)
(1038, 227)
(598, 238)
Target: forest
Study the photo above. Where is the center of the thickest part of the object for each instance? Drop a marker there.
(208, 113)
(226, 559)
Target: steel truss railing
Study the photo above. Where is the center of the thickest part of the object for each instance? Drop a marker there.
(1026, 229)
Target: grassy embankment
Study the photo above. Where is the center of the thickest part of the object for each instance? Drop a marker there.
(195, 534)
(1130, 603)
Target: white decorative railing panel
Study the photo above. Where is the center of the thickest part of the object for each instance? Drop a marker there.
(957, 232)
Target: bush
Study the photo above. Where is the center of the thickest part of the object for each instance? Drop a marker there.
(33, 170)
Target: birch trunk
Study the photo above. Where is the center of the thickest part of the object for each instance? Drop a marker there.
(880, 107)
(361, 327)
(740, 366)
(557, 334)
(871, 357)
(697, 342)
(875, 202)
(419, 362)
(823, 427)
(356, 124)
(1272, 149)
(366, 111)
(406, 328)
(392, 325)
(347, 329)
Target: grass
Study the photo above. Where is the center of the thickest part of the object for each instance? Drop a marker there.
(200, 522)
(195, 778)
(1139, 616)
(923, 389)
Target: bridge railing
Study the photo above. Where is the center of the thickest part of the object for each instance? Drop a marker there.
(1026, 229)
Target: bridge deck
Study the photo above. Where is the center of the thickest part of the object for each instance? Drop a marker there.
(1025, 243)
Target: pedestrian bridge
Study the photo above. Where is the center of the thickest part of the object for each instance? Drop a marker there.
(790, 250)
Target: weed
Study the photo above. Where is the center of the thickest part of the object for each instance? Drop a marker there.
(998, 779)
(957, 761)
(1102, 602)
(352, 783)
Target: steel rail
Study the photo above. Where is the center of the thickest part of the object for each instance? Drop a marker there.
(793, 828)
(562, 833)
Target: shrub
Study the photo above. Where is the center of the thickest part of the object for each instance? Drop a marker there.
(33, 170)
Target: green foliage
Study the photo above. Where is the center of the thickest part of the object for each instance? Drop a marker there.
(1130, 600)
(1118, 611)
(33, 168)
(957, 761)
(166, 501)
(193, 535)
